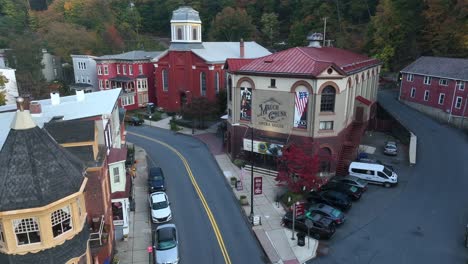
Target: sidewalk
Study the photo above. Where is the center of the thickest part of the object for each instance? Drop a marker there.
(134, 250)
(275, 239)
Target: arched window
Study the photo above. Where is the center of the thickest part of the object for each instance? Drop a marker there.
(165, 80)
(203, 84)
(216, 82)
(229, 95)
(27, 231)
(61, 221)
(179, 34)
(194, 34)
(327, 103)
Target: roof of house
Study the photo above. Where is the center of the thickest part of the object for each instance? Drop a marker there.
(71, 131)
(71, 248)
(309, 61)
(36, 171)
(131, 56)
(117, 154)
(218, 52)
(234, 64)
(449, 68)
(94, 104)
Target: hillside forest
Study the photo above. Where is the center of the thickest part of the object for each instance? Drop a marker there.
(395, 31)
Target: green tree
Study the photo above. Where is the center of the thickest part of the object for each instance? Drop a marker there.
(3, 81)
(270, 25)
(231, 25)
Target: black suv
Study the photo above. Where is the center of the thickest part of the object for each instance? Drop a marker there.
(319, 227)
(353, 192)
(333, 198)
(156, 181)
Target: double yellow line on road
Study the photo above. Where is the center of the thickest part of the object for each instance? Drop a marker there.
(214, 225)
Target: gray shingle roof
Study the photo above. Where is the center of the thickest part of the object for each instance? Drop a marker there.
(131, 56)
(72, 248)
(71, 131)
(185, 13)
(36, 171)
(449, 68)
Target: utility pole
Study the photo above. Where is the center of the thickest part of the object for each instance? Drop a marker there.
(324, 30)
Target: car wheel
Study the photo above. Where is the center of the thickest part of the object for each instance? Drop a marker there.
(387, 185)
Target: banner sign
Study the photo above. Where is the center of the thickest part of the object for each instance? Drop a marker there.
(263, 147)
(300, 109)
(257, 185)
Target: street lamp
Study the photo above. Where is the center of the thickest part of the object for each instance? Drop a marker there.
(251, 167)
(193, 119)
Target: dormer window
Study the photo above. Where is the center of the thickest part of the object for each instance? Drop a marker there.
(194, 34)
(272, 83)
(61, 221)
(27, 231)
(179, 33)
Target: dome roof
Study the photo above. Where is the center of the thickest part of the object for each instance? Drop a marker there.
(35, 171)
(185, 13)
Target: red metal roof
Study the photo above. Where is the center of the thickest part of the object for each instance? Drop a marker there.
(235, 64)
(117, 155)
(363, 100)
(309, 61)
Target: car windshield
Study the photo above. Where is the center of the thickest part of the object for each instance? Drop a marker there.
(387, 171)
(160, 205)
(336, 212)
(361, 181)
(157, 178)
(166, 244)
(313, 216)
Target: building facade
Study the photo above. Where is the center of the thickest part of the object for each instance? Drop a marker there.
(438, 87)
(52, 66)
(314, 94)
(130, 71)
(192, 68)
(43, 208)
(84, 70)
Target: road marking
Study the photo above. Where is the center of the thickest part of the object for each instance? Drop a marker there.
(214, 225)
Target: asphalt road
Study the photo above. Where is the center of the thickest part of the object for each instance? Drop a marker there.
(423, 219)
(198, 241)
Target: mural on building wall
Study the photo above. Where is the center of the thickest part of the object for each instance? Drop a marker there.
(246, 104)
(300, 110)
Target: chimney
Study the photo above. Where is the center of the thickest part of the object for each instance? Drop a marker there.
(315, 39)
(55, 98)
(80, 95)
(35, 107)
(24, 100)
(241, 44)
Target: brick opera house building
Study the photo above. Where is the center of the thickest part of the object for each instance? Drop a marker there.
(313, 94)
(191, 68)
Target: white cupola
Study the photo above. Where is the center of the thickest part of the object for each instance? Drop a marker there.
(185, 26)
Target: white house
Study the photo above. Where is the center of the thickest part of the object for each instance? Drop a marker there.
(84, 70)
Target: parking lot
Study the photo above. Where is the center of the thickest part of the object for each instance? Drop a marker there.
(377, 198)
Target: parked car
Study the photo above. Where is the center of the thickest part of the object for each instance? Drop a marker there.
(374, 173)
(134, 120)
(160, 207)
(156, 180)
(390, 148)
(374, 161)
(166, 244)
(318, 227)
(332, 198)
(337, 216)
(351, 181)
(352, 192)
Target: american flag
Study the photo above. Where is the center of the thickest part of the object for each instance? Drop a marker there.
(301, 102)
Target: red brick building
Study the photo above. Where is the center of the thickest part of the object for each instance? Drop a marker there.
(192, 68)
(133, 72)
(437, 86)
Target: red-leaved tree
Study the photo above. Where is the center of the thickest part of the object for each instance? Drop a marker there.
(299, 167)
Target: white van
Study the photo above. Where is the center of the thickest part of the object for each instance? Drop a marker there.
(375, 173)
